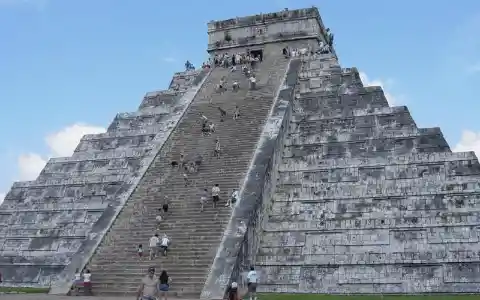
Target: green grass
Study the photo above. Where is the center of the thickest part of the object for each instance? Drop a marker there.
(366, 297)
(24, 290)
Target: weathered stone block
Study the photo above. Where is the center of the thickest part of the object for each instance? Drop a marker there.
(366, 202)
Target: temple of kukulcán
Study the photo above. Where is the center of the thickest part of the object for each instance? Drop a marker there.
(339, 192)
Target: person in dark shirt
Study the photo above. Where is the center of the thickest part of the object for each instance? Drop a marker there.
(164, 284)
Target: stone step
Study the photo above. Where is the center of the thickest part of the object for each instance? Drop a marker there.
(176, 240)
(176, 217)
(204, 228)
(176, 267)
(175, 275)
(178, 247)
(185, 291)
(137, 264)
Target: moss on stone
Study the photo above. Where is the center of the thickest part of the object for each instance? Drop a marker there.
(23, 290)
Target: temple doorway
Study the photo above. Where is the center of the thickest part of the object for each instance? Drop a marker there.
(257, 53)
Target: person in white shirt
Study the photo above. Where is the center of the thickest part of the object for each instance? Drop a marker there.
(87, 282)
(233, 199)
(252, 283)
(159, 218)
(153, 244)
(235, 86)
(164, 244)
(215, 195)
(203, 199)
(211, 127)
(77, 281)
(253, 82)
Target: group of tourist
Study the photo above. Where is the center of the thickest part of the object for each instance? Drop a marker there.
(82, 281)
(227, 61)
(152, 287)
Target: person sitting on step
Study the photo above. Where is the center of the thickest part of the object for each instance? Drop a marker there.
(232, 291)
(77, 282)
(87, 283)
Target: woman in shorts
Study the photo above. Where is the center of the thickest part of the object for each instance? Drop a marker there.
(164, 284)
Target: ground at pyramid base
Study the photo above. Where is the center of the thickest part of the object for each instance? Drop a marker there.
(339, 193)
(262, 297)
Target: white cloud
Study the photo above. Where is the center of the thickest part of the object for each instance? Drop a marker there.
(30, 165)
(60, 143)
(474, 68)
(385, 85)
(64, 142)
(469, 141)
(169, 59)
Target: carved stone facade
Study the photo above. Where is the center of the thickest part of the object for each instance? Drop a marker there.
(366, 201)
(58, 219)
(344, 194)
(298, 24)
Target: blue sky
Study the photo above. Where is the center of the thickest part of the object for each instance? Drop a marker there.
(67, 67)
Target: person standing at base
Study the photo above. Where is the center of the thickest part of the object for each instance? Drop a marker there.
(87, 283)
(148, 289)
(252, 283)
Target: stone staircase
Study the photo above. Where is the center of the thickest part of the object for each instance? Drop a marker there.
(367, 202)
(195, 235)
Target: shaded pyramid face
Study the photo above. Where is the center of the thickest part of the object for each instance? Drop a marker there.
(366, 201)
(51, 224)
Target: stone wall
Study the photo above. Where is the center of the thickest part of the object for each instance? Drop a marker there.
(367, 202)
(53, 225)
(241, 239)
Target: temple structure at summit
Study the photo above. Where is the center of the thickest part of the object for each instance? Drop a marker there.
(339, 192)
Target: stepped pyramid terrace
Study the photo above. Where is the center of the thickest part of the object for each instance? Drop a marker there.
(339, 192)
